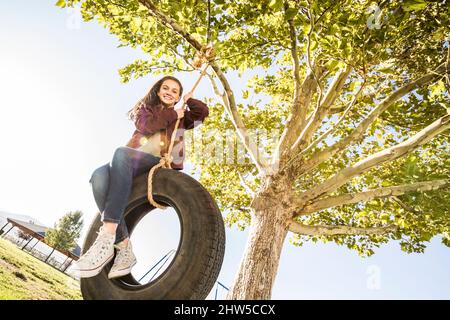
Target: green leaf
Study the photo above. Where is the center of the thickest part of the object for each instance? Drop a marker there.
(385, 183)
(437, 88)
(410, 5)
(135, 24)
(276, 4)
(353, 85)
(331, 64)
(61, 3)
(379, 135)
(402, 223)
(290, 13)
(387, 67)
(384, 217)
(425, 236)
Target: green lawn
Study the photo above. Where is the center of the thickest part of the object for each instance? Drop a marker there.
(23, 277)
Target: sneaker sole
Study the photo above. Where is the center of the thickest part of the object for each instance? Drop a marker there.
(93, 272)
(121, 273)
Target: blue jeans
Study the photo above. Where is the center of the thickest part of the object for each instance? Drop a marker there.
(112, 183)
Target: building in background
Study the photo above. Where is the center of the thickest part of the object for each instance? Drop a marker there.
(28, 234)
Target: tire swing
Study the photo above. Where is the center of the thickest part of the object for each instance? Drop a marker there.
(199, 256)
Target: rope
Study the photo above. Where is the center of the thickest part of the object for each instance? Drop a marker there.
(206, 54)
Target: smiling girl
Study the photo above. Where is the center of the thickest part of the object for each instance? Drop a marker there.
(154, 117)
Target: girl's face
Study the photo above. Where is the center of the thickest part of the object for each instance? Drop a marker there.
(169, 93)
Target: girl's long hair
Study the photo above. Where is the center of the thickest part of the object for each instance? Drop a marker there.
(151, 99)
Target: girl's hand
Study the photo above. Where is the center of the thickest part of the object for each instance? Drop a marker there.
(180, 113)
(187, 96)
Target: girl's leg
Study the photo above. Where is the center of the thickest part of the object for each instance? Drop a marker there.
(100, 187)
(126, 164)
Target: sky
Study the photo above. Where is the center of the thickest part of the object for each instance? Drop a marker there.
(62, 115)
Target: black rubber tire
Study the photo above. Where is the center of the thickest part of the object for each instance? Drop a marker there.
(198, 260)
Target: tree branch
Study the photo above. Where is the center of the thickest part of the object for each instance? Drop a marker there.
(332, 128)
(322, 110)
(337, 109)
(297, 117)
(170, 22)
(378, 158)
(300, 167)
(302, 95)
(245, 185)
(393, 191)
(294, 54)
(405, 206)
(326, 230)
(233, 113)
(241, 130)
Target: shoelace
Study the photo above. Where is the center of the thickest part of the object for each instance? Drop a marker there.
(98, 241)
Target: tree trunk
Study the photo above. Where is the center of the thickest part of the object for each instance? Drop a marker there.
(259, 265)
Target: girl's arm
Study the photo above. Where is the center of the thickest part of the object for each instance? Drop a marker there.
(196, 114)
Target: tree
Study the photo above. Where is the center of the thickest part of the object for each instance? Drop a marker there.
(64, 235)
(359, 92)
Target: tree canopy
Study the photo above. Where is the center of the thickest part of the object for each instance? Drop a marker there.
(66, 232)
(357, 89)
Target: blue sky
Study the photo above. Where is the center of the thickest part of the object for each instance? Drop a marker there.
(62, 114)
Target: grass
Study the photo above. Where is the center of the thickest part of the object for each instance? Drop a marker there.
(23, 277)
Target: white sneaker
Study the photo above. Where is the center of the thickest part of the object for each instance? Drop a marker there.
(99, 254)
(125, 260)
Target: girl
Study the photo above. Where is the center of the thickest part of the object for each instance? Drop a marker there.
(154, 117)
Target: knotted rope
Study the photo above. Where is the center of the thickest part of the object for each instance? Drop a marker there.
(205, 54)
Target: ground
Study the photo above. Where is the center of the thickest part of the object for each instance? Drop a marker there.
(23, 277)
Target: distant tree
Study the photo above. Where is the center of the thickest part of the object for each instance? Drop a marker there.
(65, 233)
